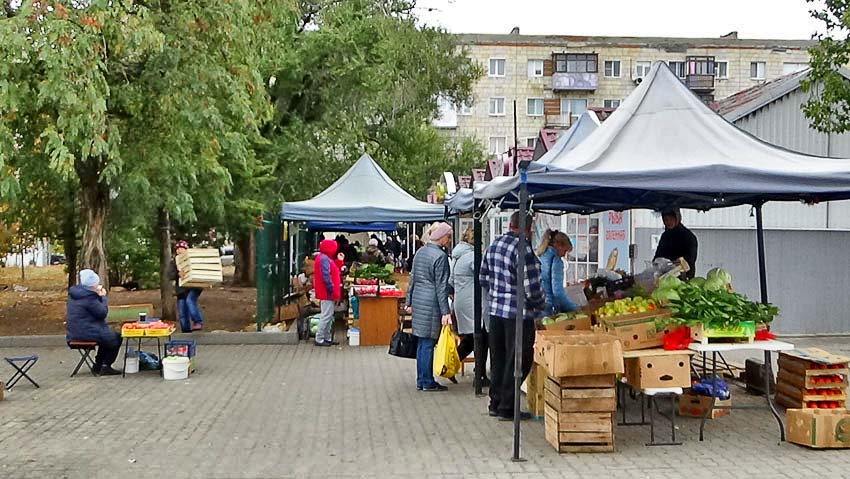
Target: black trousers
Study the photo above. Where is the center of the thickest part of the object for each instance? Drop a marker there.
(502, 340)
(107, 350)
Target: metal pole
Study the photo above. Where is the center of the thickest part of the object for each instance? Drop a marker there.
(520, 307)
(480, 358)
(762, 265)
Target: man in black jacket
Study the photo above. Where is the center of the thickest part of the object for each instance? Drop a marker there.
(677, 241)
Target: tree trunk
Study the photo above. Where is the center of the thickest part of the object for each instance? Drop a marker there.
(69, 238)
(23, 274)
(244, 258)
(94, 205)
(166, 285)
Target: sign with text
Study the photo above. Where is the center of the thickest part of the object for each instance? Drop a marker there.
(616, 231)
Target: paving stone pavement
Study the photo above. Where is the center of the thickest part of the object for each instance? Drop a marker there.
(301, 411)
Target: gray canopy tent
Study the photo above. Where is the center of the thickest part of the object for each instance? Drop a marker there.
(663, 148)
(364, 194)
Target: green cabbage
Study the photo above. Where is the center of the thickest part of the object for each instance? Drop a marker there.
(714, 284)
(721, 274)
(665, 294)
(669, 282)
(698, 282)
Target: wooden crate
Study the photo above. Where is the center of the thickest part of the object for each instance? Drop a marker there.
(744, 333)
(200, 267)
(795, 392)
(563, 399)
(579, 432)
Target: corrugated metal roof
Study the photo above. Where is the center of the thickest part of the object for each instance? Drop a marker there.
(741, 104)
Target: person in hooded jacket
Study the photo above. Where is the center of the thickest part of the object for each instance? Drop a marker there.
(86, 321)
(553, 248)
(327, 283)
(463, 284)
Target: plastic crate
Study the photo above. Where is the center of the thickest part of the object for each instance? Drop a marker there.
(132, 333)
(180, 347)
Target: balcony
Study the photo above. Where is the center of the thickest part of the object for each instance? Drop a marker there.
(574, 81)
(700, 83)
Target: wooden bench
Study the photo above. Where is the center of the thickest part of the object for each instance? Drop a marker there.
(128, 312)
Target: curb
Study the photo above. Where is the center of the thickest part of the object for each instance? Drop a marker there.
(214, 338)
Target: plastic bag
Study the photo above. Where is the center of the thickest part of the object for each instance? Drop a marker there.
(711, 387)
(677, 339)
(446, 359)
(148, 361)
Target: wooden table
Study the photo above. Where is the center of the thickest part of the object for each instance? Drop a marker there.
(378, 319)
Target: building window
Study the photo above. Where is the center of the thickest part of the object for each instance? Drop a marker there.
(642, 69)
(498, 145)
(531, 142)
(497, 67)
(612, 68)
(611, 103)
(757, 70)
(678, 68)
(576, 63)
(534, 107)
(573, 108)
(721, 69)
(535, 68)
(789, 68)
(583, 261)
(497, 106)
(465, 109)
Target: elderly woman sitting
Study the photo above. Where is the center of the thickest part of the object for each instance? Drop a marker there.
(86, 321)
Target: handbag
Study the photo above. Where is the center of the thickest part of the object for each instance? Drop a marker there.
(402, 344)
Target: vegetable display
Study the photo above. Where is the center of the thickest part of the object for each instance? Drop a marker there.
(620, 307)
(374, 271)
(557, 318)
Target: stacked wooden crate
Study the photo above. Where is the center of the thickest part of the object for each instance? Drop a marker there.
(812, 378)
(579, 413)
(201, 267)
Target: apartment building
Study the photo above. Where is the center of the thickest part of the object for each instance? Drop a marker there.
(554, 79)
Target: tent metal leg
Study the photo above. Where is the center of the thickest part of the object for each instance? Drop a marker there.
(520, 307)
(480, 357)
(761, 254)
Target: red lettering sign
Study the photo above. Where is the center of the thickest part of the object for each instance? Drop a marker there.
(616, 235)
(615, 217)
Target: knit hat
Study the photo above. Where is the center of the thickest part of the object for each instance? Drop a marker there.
(181, 244)
(439, 231)
(89, 278)
(373, 242)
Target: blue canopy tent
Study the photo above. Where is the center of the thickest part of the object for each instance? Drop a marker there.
(664, 148)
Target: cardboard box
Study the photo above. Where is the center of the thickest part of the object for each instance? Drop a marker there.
(578, 353)
(745, 331)
(818, 428)
(692, 405)
(639, 330)
(664, 371)
(577, 324)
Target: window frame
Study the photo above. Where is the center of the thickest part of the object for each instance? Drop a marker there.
(527, 103)
(619, 102)
(465, 109)
(679, 63)
(566, 58)
(717, 69)
(534, 74)
(490, 106)
(490, 73)
(571, 113)
(612, 62)
(577, 227)
(642, 63)
(490, 145)
(763, 70)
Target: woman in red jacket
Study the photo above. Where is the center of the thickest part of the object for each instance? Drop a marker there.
(328, 285)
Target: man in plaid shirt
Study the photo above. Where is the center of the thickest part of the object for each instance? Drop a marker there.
(498, 277)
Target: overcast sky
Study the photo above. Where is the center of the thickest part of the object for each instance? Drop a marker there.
(787, 19)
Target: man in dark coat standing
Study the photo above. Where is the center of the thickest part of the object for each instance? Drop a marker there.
(86, 321)
(677, 241)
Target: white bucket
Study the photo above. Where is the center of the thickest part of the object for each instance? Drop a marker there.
(175, 367)
(132, 366)
(354, 337)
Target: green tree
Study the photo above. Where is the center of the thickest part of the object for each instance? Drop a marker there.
(828, 108)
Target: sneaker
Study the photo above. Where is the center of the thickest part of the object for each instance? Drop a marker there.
(453, 380)
(108, 371)
(197, 326)
(323, 344)
(523, 416)
(96, 370)
(435, 388)
(332, 343)
(492, 413)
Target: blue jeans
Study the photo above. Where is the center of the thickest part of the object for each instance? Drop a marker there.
(425, 362)
(188, 311)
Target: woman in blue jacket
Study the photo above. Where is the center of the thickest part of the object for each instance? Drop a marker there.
(554, 246)
(86, 321)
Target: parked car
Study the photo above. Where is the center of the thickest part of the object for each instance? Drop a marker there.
(57, 259)
(226, 253)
